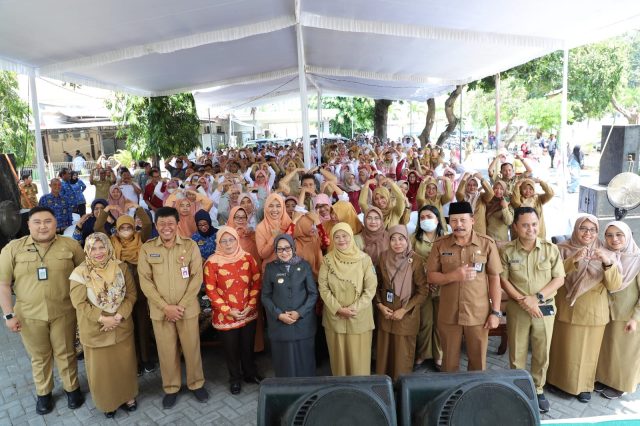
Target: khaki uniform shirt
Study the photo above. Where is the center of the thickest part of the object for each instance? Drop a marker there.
(43, 300)
(625, 304)
(467, 302)
(530, 272)
(498, 223)
(102, 187)
(161, 279)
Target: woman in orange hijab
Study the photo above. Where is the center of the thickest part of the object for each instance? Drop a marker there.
(238, 220)
(275, 222)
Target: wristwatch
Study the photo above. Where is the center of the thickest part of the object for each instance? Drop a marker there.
(540, 297)
(9, 316)
(496, 313)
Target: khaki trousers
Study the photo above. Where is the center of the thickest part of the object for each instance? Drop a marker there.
(522, 329)
(476, 339)
(170, 336)
(428, 340)
(46, 341)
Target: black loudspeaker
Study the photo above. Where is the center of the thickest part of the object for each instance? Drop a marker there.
(323, 401)
(621, 151)
(505, 397)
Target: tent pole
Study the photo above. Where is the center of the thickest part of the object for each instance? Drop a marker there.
(563, 139)
(319, 136)
(498, 140)
(304, 101)
(35, 107)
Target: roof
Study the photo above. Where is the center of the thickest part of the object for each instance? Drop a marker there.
(243, 52)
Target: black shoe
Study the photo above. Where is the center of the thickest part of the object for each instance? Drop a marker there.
(130, 407)
(169, 400)
(44, 404)
(610, 393)
(110, 414)
(235, 388)
(201, 394)
(80, 356)
(149, 367)
(599, 387)
(255, 379)
(75, 399)
(543, 404)
(584, 397)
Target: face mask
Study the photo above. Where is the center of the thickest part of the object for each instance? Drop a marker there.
(171, 190)
(125, 234)
(428, 225)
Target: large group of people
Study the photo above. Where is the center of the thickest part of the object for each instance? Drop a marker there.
(382, 253)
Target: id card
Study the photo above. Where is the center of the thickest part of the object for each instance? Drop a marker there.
(389, 296)
(43, 274)
(479, 267)
(184, 271)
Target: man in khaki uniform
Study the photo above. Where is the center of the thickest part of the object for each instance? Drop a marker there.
(532, 273)
(467, 267)
(39, 266)
(170, 270)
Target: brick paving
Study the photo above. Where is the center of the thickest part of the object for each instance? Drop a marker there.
(17, 395)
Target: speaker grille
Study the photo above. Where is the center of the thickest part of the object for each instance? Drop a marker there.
(447, 408)
(301, 414)
(383, 393)
(525, 386)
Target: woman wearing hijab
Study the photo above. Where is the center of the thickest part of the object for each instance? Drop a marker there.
(582, 309)
(428, 194)
(374, 238)
(238, 220)
(402, 288)
(309, 236)
(619, 364)
(524, 195)
(275, 222)
(78, 187)
(351, 187)
(232, 282)
(428, 341)
(469, 191)
(499, 213)
(248, 203)
(413, 181)
(390, 202)
(576, 163)
(103, 293)
(343, 211)
(205, 236)
(85, 225)
(117, 201)
(289, 295)
(347, 284)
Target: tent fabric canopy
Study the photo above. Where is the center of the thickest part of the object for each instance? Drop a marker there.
(244, 52)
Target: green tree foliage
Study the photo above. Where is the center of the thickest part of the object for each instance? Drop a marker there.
(15, 137)
(483, 111)
(157, 127)
(361, 110)
(544, 114)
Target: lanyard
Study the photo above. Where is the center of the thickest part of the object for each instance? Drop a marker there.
(45, 253)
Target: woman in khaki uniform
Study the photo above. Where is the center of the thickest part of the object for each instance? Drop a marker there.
(428, 341)
(103, 292)
(428, 194)
(402, 288)
(499, 214)
(582, 309)
(390, 201)
(524, 195)
(469, 190)
(619, 364)
(347, 284)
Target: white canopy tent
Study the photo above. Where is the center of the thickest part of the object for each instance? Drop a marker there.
(240, 52)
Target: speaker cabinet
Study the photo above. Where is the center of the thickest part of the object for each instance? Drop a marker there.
(320, 401)
(621, 152)
(505, 397)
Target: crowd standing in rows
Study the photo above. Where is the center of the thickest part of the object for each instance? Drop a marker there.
(382, 252)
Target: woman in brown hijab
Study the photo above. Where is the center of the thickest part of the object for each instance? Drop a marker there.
(374, 238)
(499, 213)
(619, 364)
(582, 309)
(402, 288)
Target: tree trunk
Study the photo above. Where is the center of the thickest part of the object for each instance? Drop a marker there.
(632, 115)
(380, 118)
(450, 114)
(425, 136)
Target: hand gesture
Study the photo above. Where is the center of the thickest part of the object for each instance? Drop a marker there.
(14, 325)
(346, 313)
(173, 313)
(530, 305)
(398, 314)
(492, 322)
(286, 318)
(599, 254)
(464, 273)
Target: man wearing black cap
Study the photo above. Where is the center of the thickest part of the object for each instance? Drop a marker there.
(467, 266)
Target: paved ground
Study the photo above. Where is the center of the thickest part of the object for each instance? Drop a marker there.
(17, 396)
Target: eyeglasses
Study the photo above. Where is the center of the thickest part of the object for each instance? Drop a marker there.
(617, 235)
(228, 241)
(588, 230)
(239, 218)
(374, 219)
(449, 174)
(283, 249)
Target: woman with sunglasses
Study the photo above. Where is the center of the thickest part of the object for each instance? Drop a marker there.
(289, 295)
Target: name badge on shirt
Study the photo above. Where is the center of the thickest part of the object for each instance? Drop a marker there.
(184, 271)
(447, 254)
(389, 296)
(43, 274)
(479, 267)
